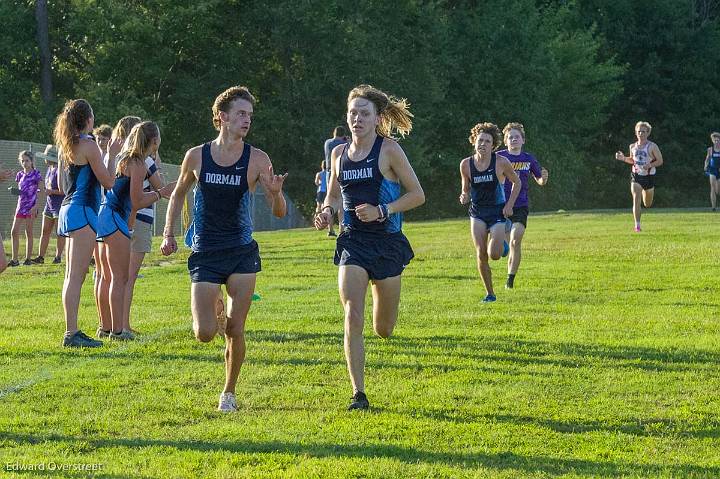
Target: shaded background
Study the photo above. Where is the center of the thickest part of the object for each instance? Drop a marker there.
(578, 74)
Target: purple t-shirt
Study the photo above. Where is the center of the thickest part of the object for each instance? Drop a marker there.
(28, 185)
(523, 164)
(53, 202)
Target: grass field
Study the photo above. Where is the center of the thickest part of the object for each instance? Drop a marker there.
(603, 362)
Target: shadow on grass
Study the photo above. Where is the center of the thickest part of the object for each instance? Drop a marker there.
(636, 427)
(433, 352)
(504, 461)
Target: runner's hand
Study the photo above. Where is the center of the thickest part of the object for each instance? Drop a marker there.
(168, 246)
(167, 190)
(271, 182)
(464, 198)
(367, 213)
(544, 174)
(507, 211)
(620, 156)
(322, 220)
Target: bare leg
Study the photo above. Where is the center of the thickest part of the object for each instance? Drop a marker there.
(29, 223)
(47, 227)
(479, 233)
(203, 298)
(59, 242)
(713, 191)
(117, 247)
(352, 282)
(516, 236)
(386, 301)
(3, 259)
(103, 278)
(17, 226)
(648, 196)
(79, 250)
(240, 288)
(636, 191)
(136, 260)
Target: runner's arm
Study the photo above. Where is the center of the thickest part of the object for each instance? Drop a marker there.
(414, 195)
(184, 183)
(707, 158)
(657, 158)
(465, 181)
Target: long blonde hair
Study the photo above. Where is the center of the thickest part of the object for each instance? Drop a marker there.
(137, 145)
(68, 126)
(394, 113)
(124, 125)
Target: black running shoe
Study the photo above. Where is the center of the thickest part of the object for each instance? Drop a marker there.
(38, 260)
(80, 340)
(28, 262)
(13, 263)
(57, 260)
(510, 283)
(359, 401)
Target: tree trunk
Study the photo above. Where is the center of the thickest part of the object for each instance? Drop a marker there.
(41, 17)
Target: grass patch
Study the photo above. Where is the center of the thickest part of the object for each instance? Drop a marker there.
(601, 363)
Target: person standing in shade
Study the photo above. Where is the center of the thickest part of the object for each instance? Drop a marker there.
(51, 213)
(103, 134)
(712, 168)
(482, 177)
(113, 232)
(84, 174)
(4, 176)
(524, 164)
(321, 180)
(367, 175)
(29, 182)
(339, 138)
(227, 170)
(644, 157)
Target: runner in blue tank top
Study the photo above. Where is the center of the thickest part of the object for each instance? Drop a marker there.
(525, 165)
(368, 174)
(126, 195)
(712, 168)
(102, 263)
(644, 157)
(84, 174)
(482, 176)
(227, 171)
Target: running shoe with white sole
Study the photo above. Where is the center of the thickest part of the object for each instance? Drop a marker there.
(227, 403)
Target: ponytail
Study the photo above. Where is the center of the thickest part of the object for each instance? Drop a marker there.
(394, 114)
(68, 125)
(137, 144)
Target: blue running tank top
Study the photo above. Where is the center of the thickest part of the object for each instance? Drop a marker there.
(322, 187)
(82, 186)
(117, 198)
(485, 189)
(222, 216)
(714, 159)
(363, 182)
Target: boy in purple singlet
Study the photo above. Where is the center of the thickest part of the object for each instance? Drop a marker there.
(524, 165)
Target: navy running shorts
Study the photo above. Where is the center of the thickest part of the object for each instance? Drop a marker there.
(520, 215)
(490, 215)
(217, 266)
(382, 255)
(646, 181)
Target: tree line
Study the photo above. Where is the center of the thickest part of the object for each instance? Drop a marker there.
(578, 74)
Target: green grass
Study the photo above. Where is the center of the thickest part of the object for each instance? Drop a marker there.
(603, 362)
